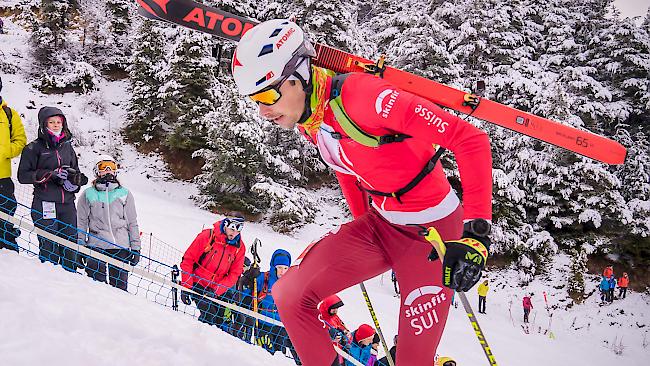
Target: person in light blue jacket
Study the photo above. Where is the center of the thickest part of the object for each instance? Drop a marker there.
(362, 348)
(604, 289)
(612, 286)
(107, 223)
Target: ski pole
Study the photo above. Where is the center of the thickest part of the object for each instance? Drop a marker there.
(550, 315)
(393, 277)
(256, 259)
(175, 273)
(510, 311)
(376, 321)
(434, 238)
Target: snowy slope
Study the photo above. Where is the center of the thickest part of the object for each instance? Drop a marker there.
(52, 317)
(52, 311)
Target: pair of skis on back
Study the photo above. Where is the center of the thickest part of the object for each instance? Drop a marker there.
(222, 24)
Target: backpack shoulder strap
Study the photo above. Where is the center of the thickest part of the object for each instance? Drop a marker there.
(266, 281)
(261, 294)
(349, 126)
(9, 114)
(207, 249)
(360, 136)
(337, 85)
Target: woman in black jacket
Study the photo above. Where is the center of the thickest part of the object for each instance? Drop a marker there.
(50, 164)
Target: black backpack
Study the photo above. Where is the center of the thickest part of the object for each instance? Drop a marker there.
(9, 114)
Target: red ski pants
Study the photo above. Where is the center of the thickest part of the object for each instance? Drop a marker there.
(360, 250)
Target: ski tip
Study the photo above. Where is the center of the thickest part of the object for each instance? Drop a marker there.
(622, 156)
(617, 156)
(606, 151)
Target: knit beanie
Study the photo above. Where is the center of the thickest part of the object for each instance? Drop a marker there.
(364, 331)
(282, 260)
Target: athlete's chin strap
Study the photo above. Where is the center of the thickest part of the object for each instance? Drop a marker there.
(308, 88)
(315, 98)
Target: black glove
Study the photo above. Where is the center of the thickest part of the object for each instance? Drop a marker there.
(13, 234)
(185, 298)
(464, 260)
(135, 257)
(77, 178)
(250, 276)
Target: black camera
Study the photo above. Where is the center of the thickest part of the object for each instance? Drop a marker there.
(74, 176)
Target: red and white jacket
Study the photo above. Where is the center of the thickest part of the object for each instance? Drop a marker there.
(379, 108)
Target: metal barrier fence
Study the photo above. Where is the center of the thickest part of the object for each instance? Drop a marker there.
(54, 241)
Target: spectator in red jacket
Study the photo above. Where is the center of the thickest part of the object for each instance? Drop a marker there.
(608, 271)
(211, 265)
(339, 333)
(328, 309)
(528, 304)
(623, 282)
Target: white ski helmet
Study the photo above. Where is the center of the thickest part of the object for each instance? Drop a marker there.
(105, 163)
(269, 52)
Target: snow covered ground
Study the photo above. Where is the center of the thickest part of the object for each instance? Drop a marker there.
(52, 317)
(49, 316)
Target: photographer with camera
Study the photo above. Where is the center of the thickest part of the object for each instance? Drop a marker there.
(50, 164)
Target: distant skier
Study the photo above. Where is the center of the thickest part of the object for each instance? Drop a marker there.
(612, 287)
(382, 142)
(608, 271)
(604, 289)
(483, 289)
(528, 305)
(623, 282)
(393, 278)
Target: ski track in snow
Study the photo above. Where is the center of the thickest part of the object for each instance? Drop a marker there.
(50, 316)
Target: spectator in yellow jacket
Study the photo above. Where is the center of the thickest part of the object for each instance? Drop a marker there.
(12, 142)
(482, 293)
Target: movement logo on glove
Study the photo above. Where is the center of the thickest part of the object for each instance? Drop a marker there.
(481, 256)
(463, 262)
